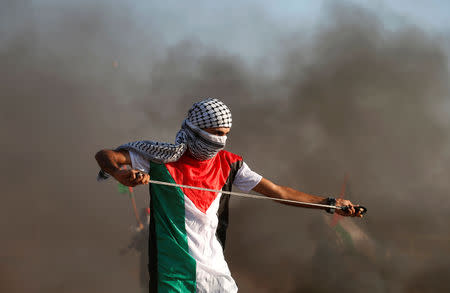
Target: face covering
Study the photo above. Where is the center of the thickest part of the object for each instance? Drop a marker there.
(208, 113)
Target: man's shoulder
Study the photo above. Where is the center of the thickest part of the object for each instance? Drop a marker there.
(229, 156)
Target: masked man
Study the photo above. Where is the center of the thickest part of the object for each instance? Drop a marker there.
(188, 226)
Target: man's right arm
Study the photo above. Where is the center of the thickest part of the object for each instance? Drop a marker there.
(111, 162)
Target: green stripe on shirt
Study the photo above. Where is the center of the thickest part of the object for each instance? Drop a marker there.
(176, 268)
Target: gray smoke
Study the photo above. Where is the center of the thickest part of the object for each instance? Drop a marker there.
(352, 97)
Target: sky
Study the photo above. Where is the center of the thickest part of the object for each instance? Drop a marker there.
(280, 16)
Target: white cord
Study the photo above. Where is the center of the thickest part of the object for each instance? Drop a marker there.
(246, 195)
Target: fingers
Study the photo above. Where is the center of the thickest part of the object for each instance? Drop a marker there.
(145, 178)
(359, 212)
(349, 209)
(356, 212)
(138, 177)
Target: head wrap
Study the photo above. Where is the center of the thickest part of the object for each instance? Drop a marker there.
(208, 113)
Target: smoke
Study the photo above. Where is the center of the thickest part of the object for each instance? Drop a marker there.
(354, 97)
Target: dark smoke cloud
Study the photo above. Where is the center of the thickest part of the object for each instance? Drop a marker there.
(352, 97)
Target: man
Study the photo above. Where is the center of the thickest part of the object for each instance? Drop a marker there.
(187, 226)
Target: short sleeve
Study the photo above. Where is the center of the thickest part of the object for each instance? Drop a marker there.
(246, 179)
(138, 162)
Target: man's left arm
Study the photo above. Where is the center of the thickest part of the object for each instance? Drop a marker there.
(270, 189)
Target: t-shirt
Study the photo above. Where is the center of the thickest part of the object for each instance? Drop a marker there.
(245, 179)
(188, 226)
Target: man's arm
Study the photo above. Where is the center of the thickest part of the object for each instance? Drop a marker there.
(270, 189)
(112, 162)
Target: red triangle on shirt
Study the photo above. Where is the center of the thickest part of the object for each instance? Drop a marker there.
(212, 174)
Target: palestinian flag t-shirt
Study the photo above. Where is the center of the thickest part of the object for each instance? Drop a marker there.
(188, 226)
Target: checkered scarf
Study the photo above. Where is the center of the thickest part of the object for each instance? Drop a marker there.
(202, 145)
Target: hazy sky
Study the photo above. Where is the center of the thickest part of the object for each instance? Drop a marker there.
(285, 16)
(258, 23)
(360, 89)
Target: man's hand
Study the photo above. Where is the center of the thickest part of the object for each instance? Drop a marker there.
(131, 177)
(351, 211)
(270, 189)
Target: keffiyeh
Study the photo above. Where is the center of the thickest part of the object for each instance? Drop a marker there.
(209, 113)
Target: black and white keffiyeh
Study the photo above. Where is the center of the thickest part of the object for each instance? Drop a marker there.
(208, 113)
